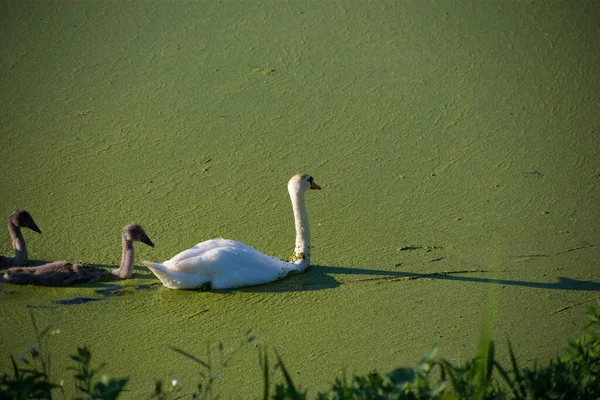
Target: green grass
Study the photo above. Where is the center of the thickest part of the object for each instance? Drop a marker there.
(573, 375)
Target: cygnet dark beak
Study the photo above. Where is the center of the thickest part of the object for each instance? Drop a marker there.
(146, 240)
(34, 228)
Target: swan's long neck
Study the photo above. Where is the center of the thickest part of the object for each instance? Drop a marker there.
(126, 269)
(301, 255)
(18, 243)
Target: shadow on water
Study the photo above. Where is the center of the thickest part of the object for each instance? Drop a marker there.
(108, 290)
(318, 277)
(562, 284)
(312, 279)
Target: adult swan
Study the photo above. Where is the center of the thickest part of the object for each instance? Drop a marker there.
(226, 264)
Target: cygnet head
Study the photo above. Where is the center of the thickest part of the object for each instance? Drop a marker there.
(301, 183)
(22, 218)
(135, 232)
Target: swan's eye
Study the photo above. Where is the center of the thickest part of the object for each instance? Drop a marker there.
(310, 179)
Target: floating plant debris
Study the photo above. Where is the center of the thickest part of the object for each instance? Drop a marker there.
(76, 300)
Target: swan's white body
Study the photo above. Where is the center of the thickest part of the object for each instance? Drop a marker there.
(226, 264)
(223, 264)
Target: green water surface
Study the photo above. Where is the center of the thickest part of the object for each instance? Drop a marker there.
(457, 144)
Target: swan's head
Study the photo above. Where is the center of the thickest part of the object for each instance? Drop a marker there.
(301, 183)
(135, 232)
(22, 218)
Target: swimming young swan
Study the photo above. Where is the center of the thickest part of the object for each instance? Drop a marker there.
(62, 273)
(17, 220)
(226, 264)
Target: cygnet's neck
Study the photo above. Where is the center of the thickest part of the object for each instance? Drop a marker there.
(125, 270)
(301, 255)
(18, 243)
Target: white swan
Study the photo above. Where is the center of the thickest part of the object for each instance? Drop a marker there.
(226, 264)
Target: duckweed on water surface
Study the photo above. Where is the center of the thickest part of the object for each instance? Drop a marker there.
(467, 125)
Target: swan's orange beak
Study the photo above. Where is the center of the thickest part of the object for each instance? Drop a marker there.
(315, 186)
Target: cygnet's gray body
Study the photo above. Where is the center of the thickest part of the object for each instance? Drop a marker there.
(62, 273)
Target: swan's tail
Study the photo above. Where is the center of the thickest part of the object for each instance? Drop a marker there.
(162, 273)
(176, 280)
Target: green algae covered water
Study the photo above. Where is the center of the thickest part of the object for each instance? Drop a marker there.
(457, 145)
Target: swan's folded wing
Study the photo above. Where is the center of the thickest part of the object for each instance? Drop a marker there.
(207, 262)
(198, 250)
(228, 259)
(189, 257)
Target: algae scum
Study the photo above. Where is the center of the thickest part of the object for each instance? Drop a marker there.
(456, 143)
